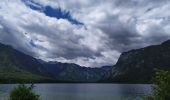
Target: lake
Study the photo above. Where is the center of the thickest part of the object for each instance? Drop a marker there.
(85, 91)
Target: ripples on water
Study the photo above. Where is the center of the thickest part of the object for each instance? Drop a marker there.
(85, 91)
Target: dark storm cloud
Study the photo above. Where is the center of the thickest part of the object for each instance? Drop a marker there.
(119, 34)
(126, 36)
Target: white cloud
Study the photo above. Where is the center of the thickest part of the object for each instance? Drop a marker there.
(110, 27)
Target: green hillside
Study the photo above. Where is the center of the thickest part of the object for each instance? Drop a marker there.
(11, 71)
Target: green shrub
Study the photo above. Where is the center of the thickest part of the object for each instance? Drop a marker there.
(161, 86)
(22, 92)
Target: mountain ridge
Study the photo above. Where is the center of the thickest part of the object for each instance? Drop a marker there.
(134, 66)
(75, 73)
(20, 63)
(137, 66)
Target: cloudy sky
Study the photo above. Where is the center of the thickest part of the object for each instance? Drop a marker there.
(91, 33)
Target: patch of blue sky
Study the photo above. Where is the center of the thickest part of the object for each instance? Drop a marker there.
(52, 12)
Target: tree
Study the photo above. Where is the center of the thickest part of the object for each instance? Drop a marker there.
(161, 86)
(22, 92)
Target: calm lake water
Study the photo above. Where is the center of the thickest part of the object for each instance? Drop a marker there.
(85, 91)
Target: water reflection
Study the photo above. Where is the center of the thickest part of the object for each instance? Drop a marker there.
(134, 89)
(86, 91)
(134, 92)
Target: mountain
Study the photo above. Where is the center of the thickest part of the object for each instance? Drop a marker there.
(16, 66)
(74, 73)
(137, 66)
